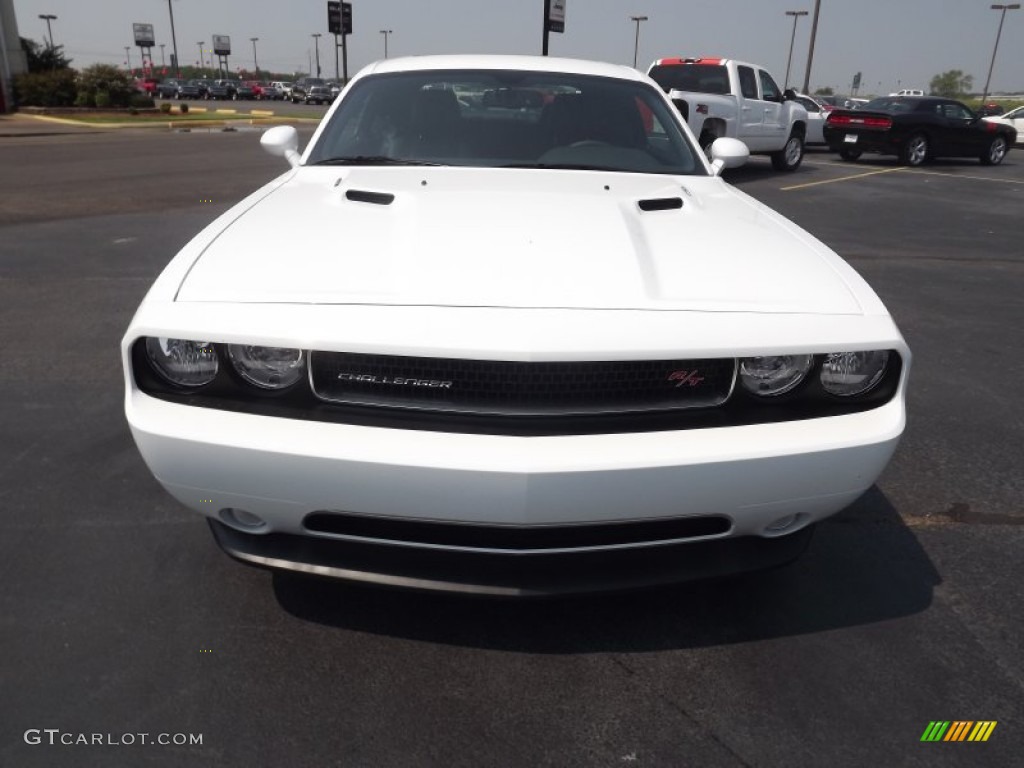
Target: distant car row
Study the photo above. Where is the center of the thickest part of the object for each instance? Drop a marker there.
(311, 90)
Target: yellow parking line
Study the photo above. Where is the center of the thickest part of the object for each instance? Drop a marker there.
(227, 111)
(960, 176)
(841, 178)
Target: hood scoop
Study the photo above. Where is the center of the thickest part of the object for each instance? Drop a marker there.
(365, 196)
(661, 204)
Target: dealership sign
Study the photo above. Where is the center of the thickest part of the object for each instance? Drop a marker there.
(222, 45)
(556, 16)
(144, 37)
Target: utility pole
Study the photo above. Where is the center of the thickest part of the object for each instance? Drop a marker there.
(636, 41)
(1002, 18)
(255, 65)
(316, 42)
(174, 41)
(810, 52)
(796, 15)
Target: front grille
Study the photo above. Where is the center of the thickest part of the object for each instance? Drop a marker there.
(516, 538)
(498, 387)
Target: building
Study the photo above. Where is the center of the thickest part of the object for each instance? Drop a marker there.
(12, 58)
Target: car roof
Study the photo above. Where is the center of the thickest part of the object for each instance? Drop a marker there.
(527, 63)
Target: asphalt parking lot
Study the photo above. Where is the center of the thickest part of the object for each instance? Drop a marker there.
(120, 615)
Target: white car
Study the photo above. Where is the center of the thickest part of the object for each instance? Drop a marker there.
(1014, 117)
(816, 114)
(536, 344)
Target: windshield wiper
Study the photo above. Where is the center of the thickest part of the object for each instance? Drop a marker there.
(371, 160)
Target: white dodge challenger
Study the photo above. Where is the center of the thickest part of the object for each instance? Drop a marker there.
(526, 342)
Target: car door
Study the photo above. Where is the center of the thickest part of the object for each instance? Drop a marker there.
(773, 127)
(966, 135)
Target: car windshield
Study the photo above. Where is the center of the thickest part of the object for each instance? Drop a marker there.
(508, 119)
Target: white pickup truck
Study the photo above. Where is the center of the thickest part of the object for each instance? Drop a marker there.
(724, 97)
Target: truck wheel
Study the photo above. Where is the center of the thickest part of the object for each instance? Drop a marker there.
(995, 153)
(915, 150)
(790, 156)
(850, 155)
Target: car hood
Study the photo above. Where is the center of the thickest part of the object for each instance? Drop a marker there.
(517, 238)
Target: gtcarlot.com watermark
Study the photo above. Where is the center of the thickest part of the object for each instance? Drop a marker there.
(56, 737)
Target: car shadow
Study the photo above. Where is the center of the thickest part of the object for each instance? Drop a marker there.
(863, 566)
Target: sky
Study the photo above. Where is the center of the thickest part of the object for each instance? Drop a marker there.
(894, 43)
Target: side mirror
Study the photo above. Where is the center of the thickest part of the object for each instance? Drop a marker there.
(282, 141)
(728, 153)
(789, 95)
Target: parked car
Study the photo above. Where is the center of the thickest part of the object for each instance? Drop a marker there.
(908, 92)
(270, 92)
(147, 85)
(245, 91)
(335, 88)
(311, 90)
(718, 97)
(917, 129)
(816, 113)
(168, 89)
(990, 110)
(1015, 118)
(223, 89)
(285, 87)
(557, 352)
(202, 87)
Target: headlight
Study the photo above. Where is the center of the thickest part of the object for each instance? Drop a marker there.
(853, 373)
(267, 367)
(776, 375)
(182, 362)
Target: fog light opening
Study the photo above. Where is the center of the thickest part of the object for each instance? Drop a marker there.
(785, 524)
(241, 520)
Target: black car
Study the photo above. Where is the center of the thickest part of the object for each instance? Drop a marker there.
(202, 88)
(167, 89)
(224, 89)
(916, 129)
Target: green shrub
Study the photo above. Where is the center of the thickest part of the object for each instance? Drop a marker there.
(184, 109)
(104, 78)
(142, 101)
(103, 99)
(84, 99)
(165, 108)
(46, 89)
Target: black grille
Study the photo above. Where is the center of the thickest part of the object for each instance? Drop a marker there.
(520, 389)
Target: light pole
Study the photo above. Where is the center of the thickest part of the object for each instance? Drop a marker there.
(386, 33)
(1002, 17)
(128, 57)
(810, 52)
(48, 17)
(316, 42)
(201, 43)
(636, 40)
(163, 62)
(796, 15)
(174, 42)
(254, 64)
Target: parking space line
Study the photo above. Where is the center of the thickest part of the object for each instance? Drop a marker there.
(961, 176)
(842, 178)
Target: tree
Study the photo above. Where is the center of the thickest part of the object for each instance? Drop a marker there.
(953, 84)
(104, 85)
(826, 91)
(43, 58)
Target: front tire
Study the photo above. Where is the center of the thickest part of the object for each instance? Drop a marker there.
(995, 153)
(850, 155)
(915, 150)
(791, 155)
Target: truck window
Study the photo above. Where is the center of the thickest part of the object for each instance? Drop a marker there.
(748, 83)
(769, 89)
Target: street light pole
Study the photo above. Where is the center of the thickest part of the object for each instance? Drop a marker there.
(636, 40)
(128, 57)
(163, 62)
(255, 65)
(810, 52)
(201, 43)
(48, 17)
(316, 42)
(386, 32)
(1002, 18)
(796, 15)
(174, 41)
